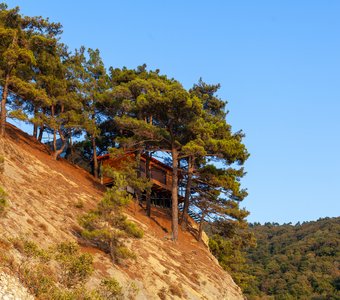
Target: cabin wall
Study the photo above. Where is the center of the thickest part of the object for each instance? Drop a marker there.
(160, 175)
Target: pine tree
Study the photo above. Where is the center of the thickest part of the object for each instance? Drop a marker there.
(93, 91)
(59, 79)
(210, 138)
(136, 131)
(176, 112)
(17, 58)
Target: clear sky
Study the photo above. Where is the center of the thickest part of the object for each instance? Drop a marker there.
(279, 66)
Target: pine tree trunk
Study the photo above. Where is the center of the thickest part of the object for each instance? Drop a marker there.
(35, 130)
(71, 149)
(200, 228)
(41, 131)
(174, 193)
(3, 105)
(35, 126)
(58, 152)
(184, 220)
(54, 133)
(138, 193)
(95, 159)
(5, 91)
(42, 128)
(148, 192)
(54, 141)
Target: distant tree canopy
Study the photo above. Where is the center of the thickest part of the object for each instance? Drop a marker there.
(71, 94)
(295, 262)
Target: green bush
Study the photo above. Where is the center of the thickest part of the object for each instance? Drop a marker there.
(81, 293)
(106, 227)
(101, 238)
(123, 252)
(3, 201)
(110, 289)
(59, 273)
(132, 229)
(75, 267)
(67, 248)
(89, 221)
(38, 280)
(30, 249)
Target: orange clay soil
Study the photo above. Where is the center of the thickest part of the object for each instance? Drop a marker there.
(44, 197)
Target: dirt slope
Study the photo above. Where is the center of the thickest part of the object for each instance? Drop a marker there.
(43, 195)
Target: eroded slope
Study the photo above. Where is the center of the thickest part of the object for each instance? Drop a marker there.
(47, 197)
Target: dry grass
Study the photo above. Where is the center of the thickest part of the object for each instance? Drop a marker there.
(5, 244)
(43, 226)
(176, 289)
(162, 293)
(167, 272)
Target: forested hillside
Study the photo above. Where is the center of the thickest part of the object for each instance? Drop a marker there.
(295, 262)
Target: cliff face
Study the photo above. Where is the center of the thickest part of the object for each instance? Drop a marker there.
(46, 198)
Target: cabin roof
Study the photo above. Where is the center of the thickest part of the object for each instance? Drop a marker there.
(154, 160)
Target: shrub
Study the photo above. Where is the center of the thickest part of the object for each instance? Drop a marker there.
(132, 229)
(89, 221)
(7, 260)
(106, 227)
(101, 238)
(110, 289)
(80, 293)
(133, 290)
(57, 273)
(38, 280)
(30, 249)
(3, 201)
(75, 267)
(123, 252)
(67, 248)
(115, 199)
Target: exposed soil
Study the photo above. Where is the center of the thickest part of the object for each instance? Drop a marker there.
(44, 198)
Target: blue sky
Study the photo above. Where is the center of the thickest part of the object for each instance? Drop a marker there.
(279, 66)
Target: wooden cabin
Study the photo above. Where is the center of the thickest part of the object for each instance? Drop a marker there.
(161, 177)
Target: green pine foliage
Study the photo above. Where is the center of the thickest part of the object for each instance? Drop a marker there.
(70, 94)
(295, 261)
(110, 289)
(107, 227)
